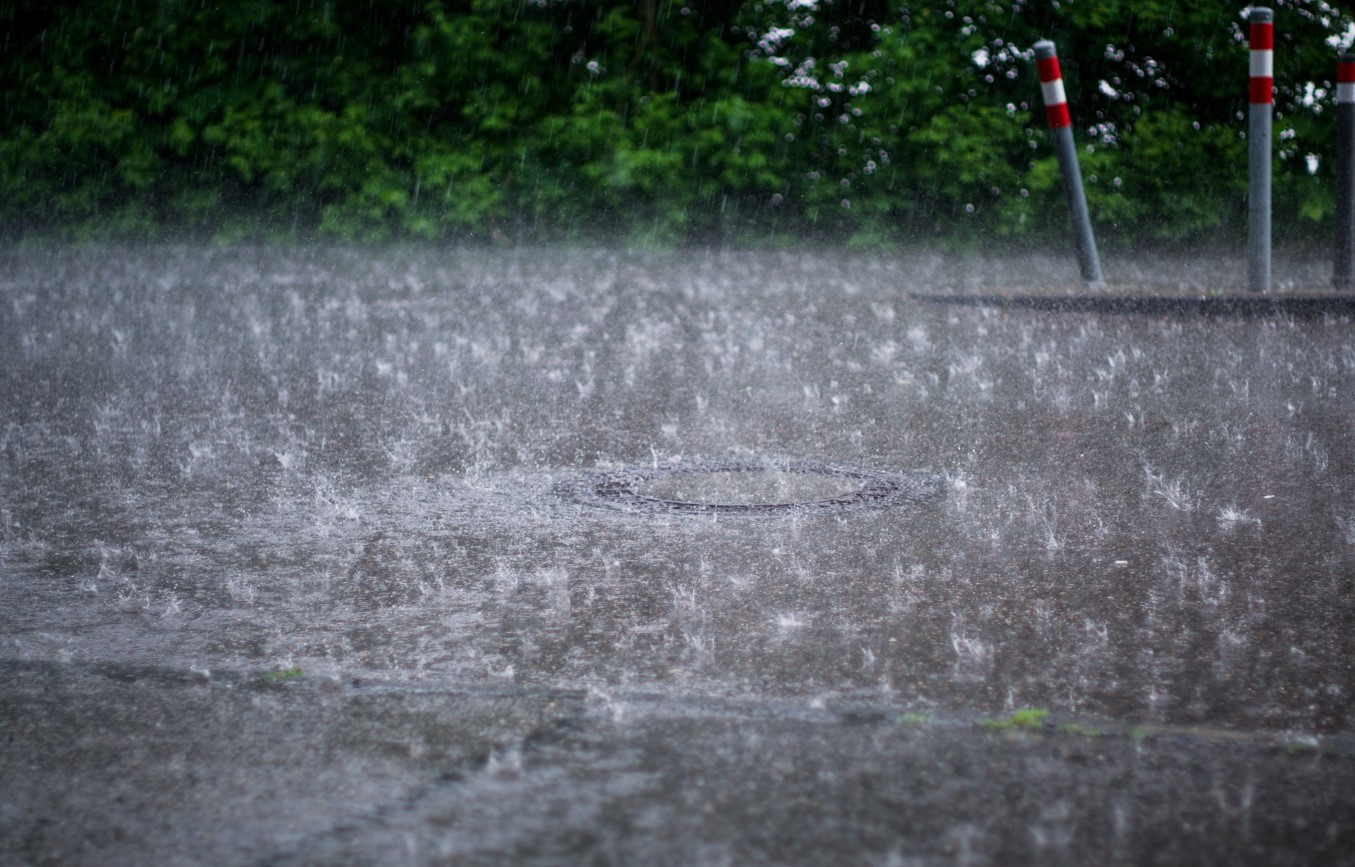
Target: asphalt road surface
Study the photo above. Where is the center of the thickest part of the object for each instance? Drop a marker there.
(321, 556)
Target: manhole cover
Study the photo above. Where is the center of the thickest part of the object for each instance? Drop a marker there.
(748, 487)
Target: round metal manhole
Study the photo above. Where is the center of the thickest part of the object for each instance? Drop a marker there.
(748, 488)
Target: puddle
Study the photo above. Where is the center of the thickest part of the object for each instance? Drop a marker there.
(349, 465)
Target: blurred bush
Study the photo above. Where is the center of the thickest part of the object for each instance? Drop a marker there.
(649, 122)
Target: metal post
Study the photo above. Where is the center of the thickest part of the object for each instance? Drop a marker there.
(1061, 129)
(1259, 147)
(1343, 273)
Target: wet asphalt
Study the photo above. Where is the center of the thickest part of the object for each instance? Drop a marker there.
(294, 568)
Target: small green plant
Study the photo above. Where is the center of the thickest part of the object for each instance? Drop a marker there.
(1025, 719)
(915, 719)
(283, 674)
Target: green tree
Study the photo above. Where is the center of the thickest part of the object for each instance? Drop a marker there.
(857, 121)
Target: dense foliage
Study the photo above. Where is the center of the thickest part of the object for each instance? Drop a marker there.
(650, 121)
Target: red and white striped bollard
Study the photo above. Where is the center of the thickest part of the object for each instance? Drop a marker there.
(1343, 271)
(1261, 109)
(1061, 130)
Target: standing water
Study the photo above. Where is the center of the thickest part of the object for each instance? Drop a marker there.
(293, 566)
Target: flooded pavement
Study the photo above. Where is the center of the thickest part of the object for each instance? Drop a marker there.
(291, 572)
